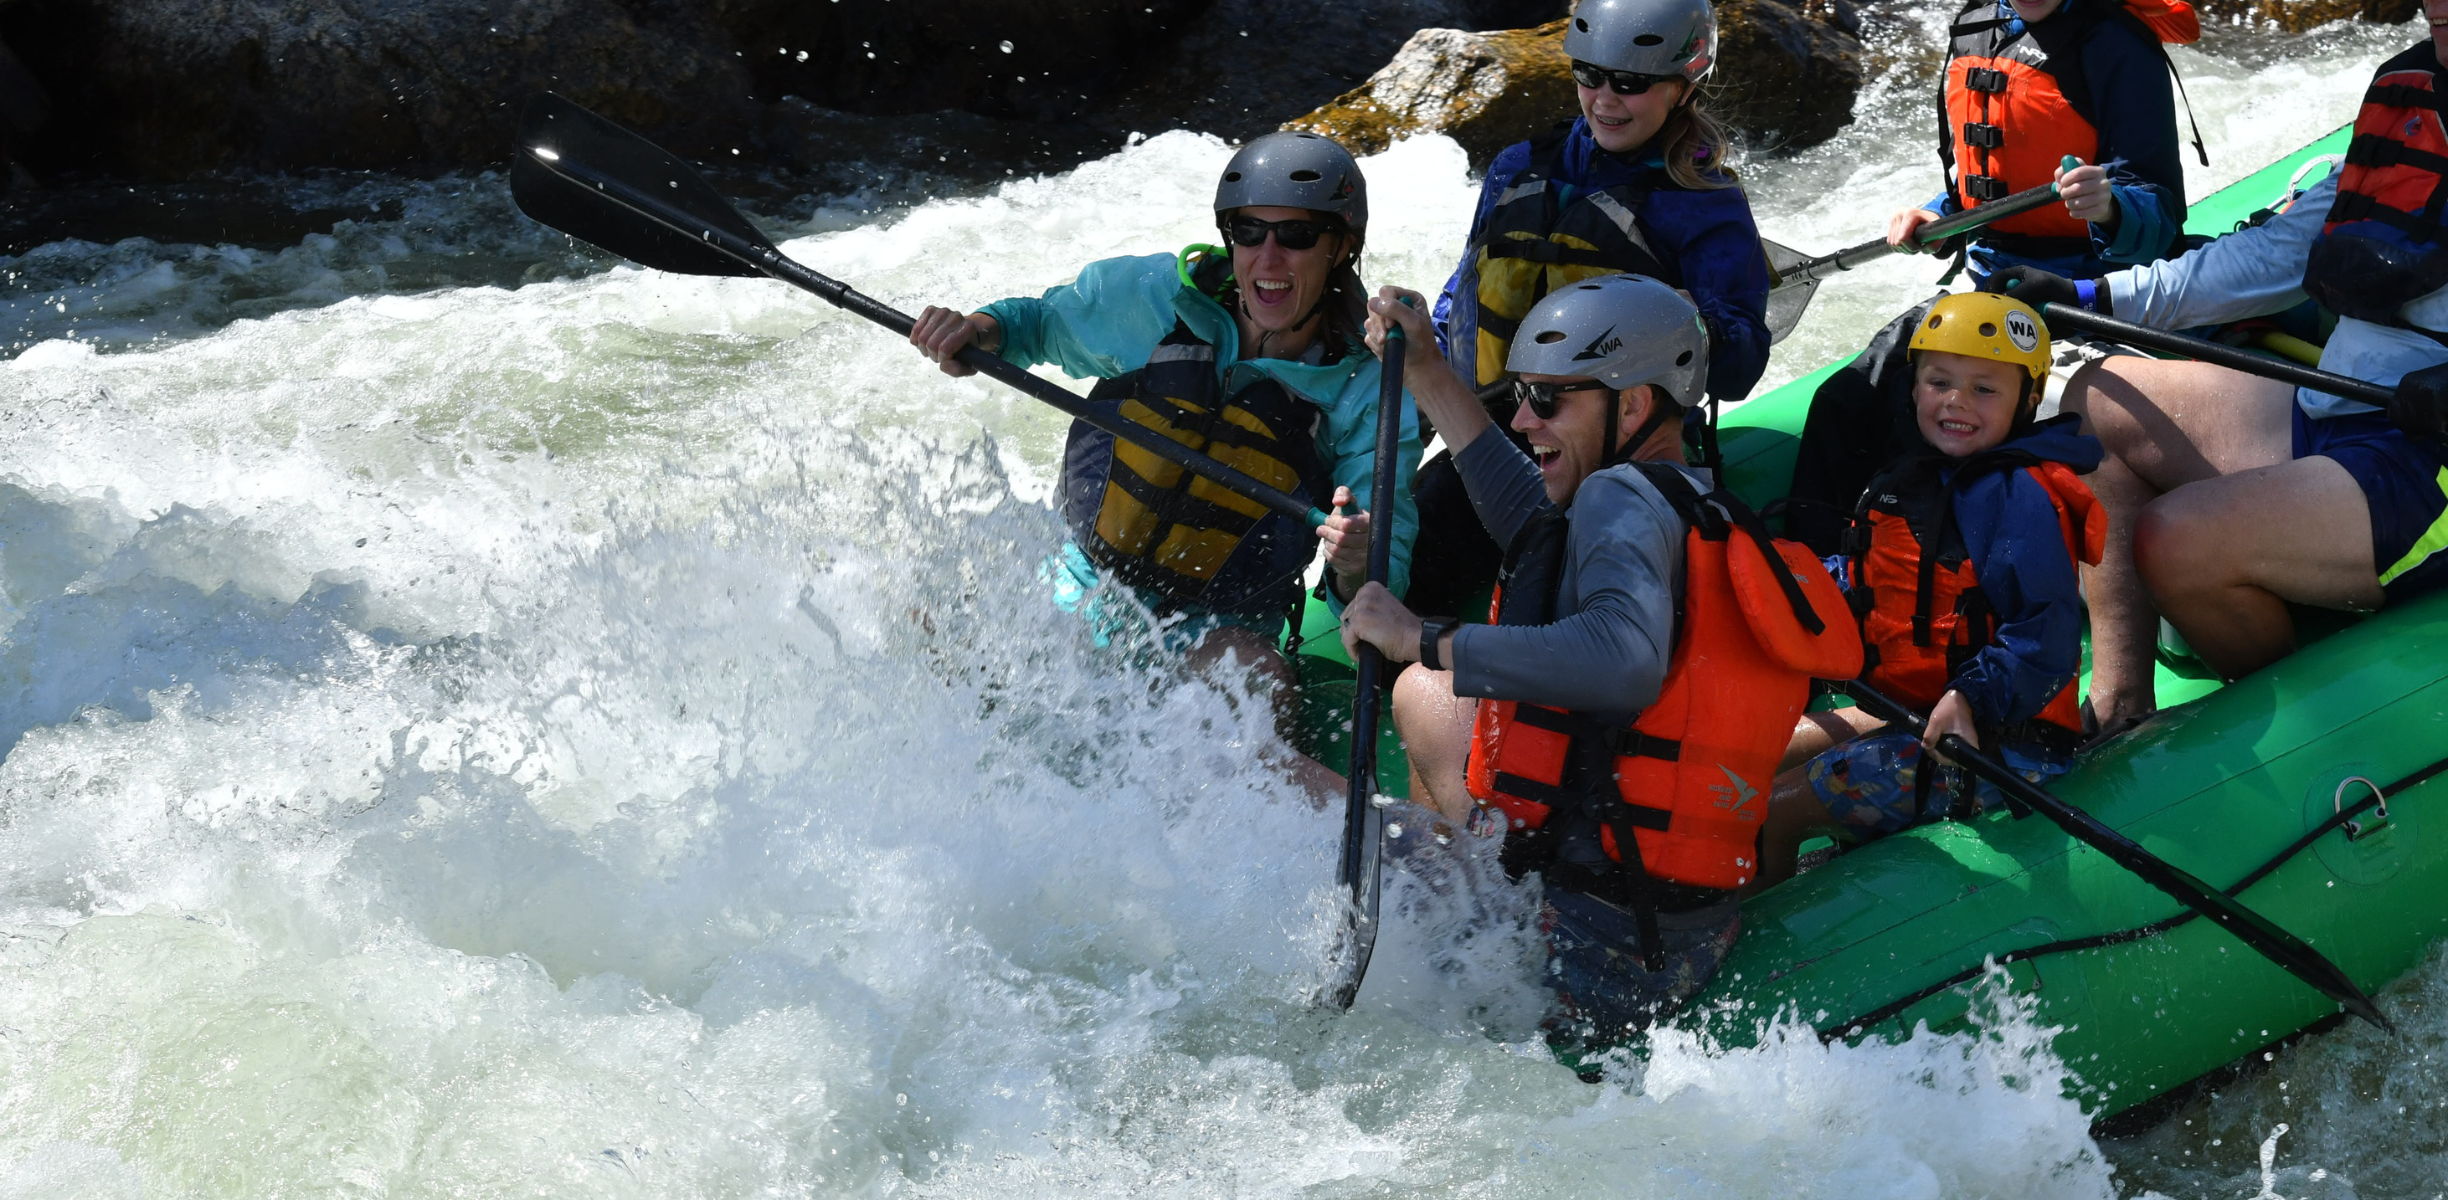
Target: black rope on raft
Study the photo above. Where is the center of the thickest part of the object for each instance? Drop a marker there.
(1893, 1008)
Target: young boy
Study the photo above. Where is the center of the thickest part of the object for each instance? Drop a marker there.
(1962, 565)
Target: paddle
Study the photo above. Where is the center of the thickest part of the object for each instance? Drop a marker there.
(1363, 823)
(2233, 358)
(2254, 930)
(600, 183)
(1794, 277)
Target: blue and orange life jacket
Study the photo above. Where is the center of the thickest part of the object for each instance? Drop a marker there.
(1922, 612)
(2017, 103)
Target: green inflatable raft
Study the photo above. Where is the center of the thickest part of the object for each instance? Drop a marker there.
(2308, 790)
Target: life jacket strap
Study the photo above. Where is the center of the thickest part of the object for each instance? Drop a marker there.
(1985, 188)
(1987, 137)
(1550, 253)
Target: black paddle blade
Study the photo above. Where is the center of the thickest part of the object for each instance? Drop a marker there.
(1786, 304)
(553, 131)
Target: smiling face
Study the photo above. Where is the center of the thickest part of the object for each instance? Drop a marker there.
(1279, 287)
(2436, 13)
(1965, 405)
(1623, 123)
(1567, 446)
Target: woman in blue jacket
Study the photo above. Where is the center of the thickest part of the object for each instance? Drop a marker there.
(1253, 356)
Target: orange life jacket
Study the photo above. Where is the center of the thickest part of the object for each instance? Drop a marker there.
(2382, 243)
(1923, 615)
(2016, 106)
(1687, 780)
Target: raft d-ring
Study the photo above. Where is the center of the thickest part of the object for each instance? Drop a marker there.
(2356, 830)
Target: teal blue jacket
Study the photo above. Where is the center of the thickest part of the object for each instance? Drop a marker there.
(1107, 321)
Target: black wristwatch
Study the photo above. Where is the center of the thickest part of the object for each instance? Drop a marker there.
(1432, 631)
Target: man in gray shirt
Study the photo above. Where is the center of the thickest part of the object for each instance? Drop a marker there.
(1605, 368)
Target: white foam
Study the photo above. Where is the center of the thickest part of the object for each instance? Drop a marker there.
(604, 737)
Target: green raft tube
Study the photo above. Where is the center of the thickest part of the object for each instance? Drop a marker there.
(2308, 789)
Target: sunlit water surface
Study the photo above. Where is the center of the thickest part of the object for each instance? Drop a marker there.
(484, 722)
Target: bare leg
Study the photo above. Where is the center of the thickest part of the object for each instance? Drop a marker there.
(2164, 425)
(1436, 729)
(2224, 556)
(1793, 812)
(1818, 732)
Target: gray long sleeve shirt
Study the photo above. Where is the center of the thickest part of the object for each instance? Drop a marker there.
(1607, 654)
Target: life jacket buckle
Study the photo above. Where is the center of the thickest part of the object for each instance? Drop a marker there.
(1985, 79)
(1985, 188)
(2356, 830)
(1987, 137)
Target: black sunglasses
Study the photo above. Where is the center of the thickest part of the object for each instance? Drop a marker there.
(1625, 83)
(1542, 397)
(1251, 233)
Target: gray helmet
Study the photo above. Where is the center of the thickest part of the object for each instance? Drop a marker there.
(1296, 170)
(1623, 330)
(1652, 37)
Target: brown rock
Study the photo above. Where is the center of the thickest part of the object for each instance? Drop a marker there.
(2296, 16)
(1484, 90)
(1785, 76)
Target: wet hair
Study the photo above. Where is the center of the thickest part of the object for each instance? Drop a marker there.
(1698, 148)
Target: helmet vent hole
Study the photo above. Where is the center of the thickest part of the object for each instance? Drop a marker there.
(1305, 175)
(1549, 337)
(1934, 321)
(1648, 39)
(1988, 329)
(1580, 25)
(1232, 176)
(1591, 287)
(1683, 359)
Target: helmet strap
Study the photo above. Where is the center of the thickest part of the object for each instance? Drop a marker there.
(1659, 404)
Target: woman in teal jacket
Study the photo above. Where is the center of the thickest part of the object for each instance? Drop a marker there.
(1254, 357)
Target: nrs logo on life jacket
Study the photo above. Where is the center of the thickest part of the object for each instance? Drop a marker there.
(1923, 614)
(1157, 526)
(2382, 245)
(2018, 103)
(1679, 786)
(1532, 246)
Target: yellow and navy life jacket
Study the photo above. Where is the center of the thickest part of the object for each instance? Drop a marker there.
(1159, 527)
(1532, 245)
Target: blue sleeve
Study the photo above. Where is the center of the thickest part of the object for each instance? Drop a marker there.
(1097, 326)
(1348, 441)
(1710, 240)
(2018, 554)
(2137, 141)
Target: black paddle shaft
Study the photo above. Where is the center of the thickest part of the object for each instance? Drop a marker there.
(600, 183)
(2292, 953)
(1929, 234)
(1363, 824)
(2066, 316)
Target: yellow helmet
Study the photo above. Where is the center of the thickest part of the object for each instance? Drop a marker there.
(1986, 325)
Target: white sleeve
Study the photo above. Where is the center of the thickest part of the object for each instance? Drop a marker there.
(2249, 273)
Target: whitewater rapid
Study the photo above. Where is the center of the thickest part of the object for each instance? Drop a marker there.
(484, 721)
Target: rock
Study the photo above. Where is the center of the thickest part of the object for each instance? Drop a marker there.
(168, 88)
(1785, 77)
(1484, 90)
(2297, 16)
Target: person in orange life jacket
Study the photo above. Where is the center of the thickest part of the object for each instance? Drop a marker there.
(1964, 574)
(1642, 182)
(1589, 638)
(1253, 357)
(2029, 82)
(2232, 497)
